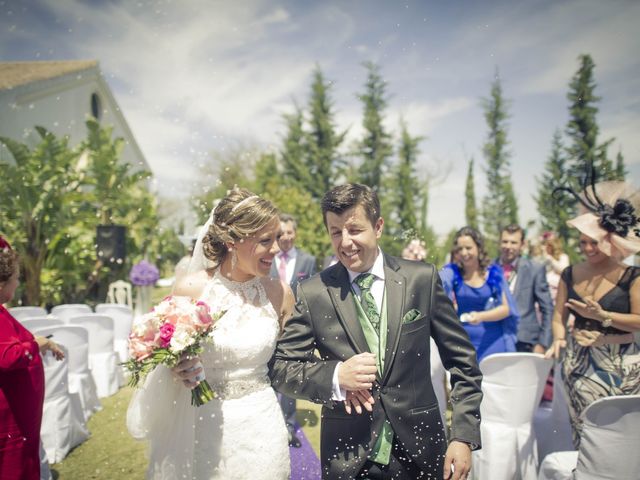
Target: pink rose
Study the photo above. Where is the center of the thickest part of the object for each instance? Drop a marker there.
(203, 315)
(200, 303)
(138, 348)
(166, 332)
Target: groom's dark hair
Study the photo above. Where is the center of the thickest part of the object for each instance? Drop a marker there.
(343, 197)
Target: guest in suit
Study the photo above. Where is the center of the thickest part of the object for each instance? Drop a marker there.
(528, 283)
(370, 318)
(291, 265)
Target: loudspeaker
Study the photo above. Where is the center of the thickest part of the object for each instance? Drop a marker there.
(110, 243)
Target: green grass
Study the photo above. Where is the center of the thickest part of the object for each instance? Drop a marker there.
(110, 453)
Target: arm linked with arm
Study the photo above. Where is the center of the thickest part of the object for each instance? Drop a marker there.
(295, 370)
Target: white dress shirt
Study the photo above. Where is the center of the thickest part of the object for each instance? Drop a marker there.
(291, 262)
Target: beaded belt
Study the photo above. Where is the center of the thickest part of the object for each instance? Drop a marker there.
(239, 388)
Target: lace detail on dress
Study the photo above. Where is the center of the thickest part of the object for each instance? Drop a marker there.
(251, 291)
(223, 439)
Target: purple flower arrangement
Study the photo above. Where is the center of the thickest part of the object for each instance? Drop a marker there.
(144, 273)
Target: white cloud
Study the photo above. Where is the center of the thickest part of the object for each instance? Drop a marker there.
(422, 117)
(193, 75)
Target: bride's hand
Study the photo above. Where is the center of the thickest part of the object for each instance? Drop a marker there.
(357, 399)
(188, 370)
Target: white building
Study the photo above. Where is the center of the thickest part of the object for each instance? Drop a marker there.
(60, 96)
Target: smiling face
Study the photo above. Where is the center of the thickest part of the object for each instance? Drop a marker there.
(589, 248)
(287, 237)
(354, 238)
(467, 252)
(255, 254)
(510, 246)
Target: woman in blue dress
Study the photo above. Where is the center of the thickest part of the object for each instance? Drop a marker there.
(481, 295)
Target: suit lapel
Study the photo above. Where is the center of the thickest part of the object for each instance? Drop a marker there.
(343, 301)
(395, 288)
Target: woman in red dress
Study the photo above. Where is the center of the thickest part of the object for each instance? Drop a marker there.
(21, 382)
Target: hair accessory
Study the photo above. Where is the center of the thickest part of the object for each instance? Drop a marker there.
(242, 202)
(610, 214)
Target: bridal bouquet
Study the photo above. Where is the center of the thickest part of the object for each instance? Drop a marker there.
(175, 327)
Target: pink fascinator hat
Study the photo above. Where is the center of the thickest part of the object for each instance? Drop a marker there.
(609, 214)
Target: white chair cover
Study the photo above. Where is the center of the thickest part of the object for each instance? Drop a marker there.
(23, 312)
(123, 319)
(551, 424)
(66, 311)
(103, 360)
(512, 386)
(608, 447)
(45, 470)
(76, 340)
(63, 425)
(35, 323)
(120, 293)
(438, 379)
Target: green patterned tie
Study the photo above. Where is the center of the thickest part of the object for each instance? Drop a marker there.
(364, 281)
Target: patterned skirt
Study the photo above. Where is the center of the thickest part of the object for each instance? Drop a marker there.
(591, 373)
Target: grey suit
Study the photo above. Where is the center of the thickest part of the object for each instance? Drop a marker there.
(531, 288)
(304, 268)
(325, 320)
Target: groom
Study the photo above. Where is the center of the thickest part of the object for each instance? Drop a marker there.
(370, 317)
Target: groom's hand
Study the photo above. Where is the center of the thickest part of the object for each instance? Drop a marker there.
(358, 373)
(459, 456)
(357, 399)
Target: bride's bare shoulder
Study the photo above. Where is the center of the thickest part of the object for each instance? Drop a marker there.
(192, 284)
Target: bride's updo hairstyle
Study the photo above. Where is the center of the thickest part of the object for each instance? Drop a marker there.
(239, 215)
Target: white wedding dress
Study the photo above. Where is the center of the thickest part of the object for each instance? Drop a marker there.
(239, 435)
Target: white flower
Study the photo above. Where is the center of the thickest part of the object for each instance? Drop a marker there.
(182, 338)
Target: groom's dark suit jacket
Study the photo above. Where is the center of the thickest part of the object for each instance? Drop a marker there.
(325, 319)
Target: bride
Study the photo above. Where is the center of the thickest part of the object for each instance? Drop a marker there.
(241, 433)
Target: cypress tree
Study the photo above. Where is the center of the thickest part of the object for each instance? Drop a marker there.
(471, 209)
(499, 206)
(322, 141)
(582, 128)
(621, 169)
(375, 149)
(406, 186)
(293, 154)
(555, 209)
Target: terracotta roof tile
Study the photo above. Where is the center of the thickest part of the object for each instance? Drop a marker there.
(13, 74)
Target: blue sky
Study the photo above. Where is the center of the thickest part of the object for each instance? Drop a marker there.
(194, 76)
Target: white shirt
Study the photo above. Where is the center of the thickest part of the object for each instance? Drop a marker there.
(291, 262)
